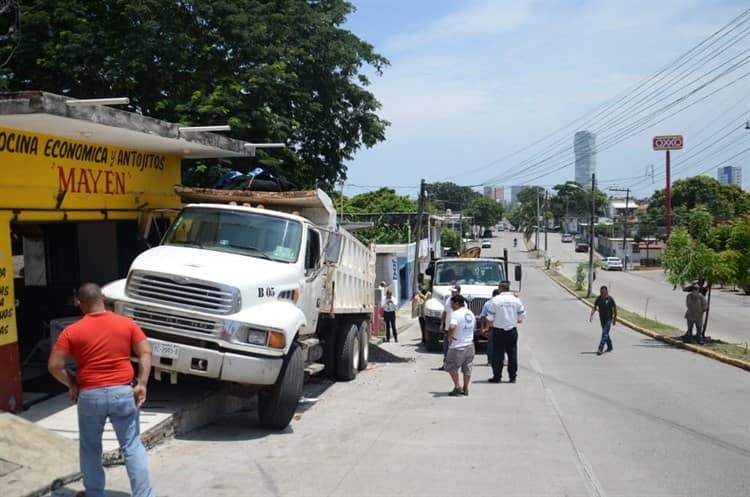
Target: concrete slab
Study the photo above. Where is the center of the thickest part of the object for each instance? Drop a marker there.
(32, 456)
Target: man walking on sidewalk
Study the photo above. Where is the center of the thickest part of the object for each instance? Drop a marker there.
(389, 316)
(607, 308)
(504, 313)
(101, 344)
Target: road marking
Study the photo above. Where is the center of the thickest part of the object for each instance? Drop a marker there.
(593, 487)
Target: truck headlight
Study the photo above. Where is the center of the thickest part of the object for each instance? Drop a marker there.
(433, 313)
(256, 337)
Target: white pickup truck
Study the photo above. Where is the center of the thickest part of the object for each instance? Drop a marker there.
(254, 289)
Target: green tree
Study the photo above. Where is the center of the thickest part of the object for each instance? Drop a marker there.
(723, 202)
(485, 211)
(380, 201)
(449, 196)
(450, 238)
(393, 216)
(739, 242)
(275, 71)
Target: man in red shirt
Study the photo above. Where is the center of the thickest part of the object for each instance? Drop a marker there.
(103, 387)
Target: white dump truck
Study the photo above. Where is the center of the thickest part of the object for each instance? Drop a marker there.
(255, 289)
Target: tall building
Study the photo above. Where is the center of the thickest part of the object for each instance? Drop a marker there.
(495, 193)
(514, 191)
(729, 175)
(499, 194)
(584, 146)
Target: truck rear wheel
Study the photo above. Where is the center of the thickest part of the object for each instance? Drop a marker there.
(348, 356)
(364, 344)
(277, 403)
(433, 342)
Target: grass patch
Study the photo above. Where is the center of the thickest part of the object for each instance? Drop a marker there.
(735, 351)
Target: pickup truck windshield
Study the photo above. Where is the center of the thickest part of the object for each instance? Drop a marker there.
(239, 232)
(469, 272)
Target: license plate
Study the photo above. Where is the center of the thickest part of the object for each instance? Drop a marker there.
(165, 350)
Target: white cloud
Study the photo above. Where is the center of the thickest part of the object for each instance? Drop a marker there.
(478, 19)
(471, 86)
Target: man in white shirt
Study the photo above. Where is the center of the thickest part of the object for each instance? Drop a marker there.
(460, 339)
(445, 319)
(505, 311)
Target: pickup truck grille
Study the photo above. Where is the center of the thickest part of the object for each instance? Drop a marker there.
(155, 319)
(183, 292)
(476, 305)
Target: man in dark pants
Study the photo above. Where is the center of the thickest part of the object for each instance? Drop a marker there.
(607, 308)
(505, 311)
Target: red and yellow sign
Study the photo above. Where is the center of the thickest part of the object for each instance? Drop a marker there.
(41, 171)
(8, 332)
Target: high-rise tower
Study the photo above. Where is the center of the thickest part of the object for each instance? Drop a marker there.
(584, 145)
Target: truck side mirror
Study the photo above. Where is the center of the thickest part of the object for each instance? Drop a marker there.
(517, 270)
(333, 248)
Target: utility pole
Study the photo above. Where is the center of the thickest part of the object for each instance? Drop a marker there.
(418, 236)
(536, 238)
(624, 226)
(546, 203)
(591, 233)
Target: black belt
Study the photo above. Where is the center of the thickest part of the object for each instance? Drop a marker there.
(502, 329)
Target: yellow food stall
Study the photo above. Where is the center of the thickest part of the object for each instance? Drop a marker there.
(79, 186)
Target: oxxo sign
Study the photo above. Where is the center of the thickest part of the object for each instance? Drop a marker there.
(668, 142)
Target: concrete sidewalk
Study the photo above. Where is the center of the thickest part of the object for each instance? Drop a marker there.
(39, 447)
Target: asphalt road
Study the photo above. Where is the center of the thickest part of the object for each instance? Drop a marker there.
(644, 420)
(649, 294)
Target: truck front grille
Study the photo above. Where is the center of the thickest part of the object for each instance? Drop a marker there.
(476, 305)
(183, 292)
(159, 320)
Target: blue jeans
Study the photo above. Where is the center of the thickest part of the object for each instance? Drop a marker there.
(606, 326)
(117, 404)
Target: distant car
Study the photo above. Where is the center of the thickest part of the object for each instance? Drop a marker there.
(612, 264)
(567, 238)
(582, 247)
(486, 244)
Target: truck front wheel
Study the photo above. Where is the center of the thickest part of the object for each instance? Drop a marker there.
(277, 403)
(348, 352)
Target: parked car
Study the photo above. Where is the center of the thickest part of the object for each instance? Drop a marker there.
(567, 238)
(612, 264)
(582, 247)
(486, 244)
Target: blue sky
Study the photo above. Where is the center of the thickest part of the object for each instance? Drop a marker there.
(472, 81)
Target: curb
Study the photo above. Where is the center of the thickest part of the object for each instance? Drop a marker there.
(738, 363)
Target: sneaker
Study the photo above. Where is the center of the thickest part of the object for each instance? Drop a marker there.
(456, 392)
(494, 380)
(441, 368)
(512, 380)
(599, 352)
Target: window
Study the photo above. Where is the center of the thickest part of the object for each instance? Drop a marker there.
(312, 256)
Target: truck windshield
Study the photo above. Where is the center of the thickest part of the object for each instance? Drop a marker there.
(469, 273)
(240, 232)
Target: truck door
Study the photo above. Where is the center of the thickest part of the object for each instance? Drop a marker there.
(312, 286)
